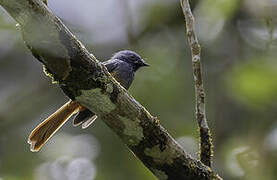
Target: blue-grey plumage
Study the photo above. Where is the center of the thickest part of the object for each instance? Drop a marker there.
(123, 72)
(122, 67)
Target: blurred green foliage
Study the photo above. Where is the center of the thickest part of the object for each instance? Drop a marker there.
(219, 8)
(239, 68)
(254, 83)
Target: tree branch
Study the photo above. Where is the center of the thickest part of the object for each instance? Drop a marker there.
(205, 135)
(84, 79)
(45, 2)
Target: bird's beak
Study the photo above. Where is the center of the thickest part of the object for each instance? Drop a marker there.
(144, 63)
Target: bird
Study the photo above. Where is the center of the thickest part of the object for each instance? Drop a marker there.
(122, 66)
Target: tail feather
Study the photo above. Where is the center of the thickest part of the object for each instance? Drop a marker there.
(89, 121)
(84, 117)
(44, 131)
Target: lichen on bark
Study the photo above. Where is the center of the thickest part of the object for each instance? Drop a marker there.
(132, 129)
(161, 156)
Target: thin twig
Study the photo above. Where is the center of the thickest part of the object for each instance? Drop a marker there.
(205, 135)
(45, 2)
(270, 29)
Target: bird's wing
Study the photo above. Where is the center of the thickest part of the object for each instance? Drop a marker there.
(111, 64)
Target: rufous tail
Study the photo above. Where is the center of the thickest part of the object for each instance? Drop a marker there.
(45, 130)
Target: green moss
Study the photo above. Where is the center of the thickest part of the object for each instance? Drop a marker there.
(47, 73)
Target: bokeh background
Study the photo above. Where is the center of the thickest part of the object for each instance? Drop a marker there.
(238, 39)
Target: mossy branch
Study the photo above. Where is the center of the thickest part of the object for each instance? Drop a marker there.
(84, 79)
(205, 134)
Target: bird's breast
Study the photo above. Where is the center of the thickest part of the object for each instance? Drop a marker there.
(124, 76)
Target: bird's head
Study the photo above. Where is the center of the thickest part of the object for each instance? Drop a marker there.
(131, 58)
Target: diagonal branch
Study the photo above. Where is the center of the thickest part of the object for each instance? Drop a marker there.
(205, 134)
(45, 2)
(84, 79)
